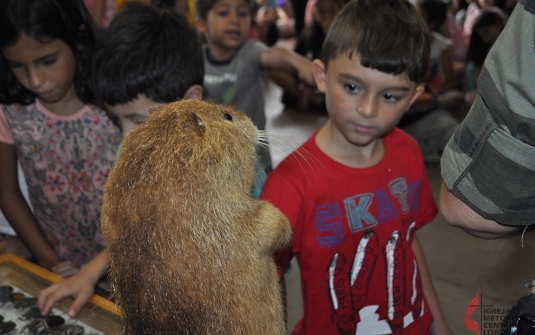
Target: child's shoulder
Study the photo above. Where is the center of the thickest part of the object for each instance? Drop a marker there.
(251, 48)
(398, 137)
(19, 112)
(401, 146)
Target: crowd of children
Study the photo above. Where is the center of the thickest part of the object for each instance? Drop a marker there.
(74, 79)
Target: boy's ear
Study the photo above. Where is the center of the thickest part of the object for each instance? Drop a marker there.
(419, 90)
(319, 74)
(195, 92)
(200, 25)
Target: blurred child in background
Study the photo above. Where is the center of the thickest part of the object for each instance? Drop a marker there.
(441, 79)
(235, 66)
(309, 44)
(486, 30)
(476, 8)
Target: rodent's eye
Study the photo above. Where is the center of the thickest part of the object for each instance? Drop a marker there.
(227, 116)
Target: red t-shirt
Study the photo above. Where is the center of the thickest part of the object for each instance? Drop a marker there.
(353, 230)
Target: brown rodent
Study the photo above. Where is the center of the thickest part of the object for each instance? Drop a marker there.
(190, 251)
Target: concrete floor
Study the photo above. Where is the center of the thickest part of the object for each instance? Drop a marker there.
(462, 267)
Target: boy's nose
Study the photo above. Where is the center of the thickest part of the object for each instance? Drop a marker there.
(367, 107)
(234, 17)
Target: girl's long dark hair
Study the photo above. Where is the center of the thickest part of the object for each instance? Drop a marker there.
(46, 20)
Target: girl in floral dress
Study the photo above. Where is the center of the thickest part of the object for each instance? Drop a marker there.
(65, 145)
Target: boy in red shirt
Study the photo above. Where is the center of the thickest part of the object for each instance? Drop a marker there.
(357, 190)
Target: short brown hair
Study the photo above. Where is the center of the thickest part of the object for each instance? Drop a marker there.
(387, 35)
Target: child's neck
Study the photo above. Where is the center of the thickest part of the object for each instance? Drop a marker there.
(68, 105)
(218, 54)
(336, 146)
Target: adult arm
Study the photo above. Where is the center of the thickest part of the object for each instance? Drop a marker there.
(439, 325)
(460, 215)
(19, 214)
(279, 58)
(81, 286)
(488, 166)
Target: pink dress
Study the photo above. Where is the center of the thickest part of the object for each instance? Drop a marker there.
(66, 161)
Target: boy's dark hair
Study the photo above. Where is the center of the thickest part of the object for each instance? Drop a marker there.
(147, 51)
(436, 11)
(202, 7)
(46, 20)
(387, 35)
(164, 4)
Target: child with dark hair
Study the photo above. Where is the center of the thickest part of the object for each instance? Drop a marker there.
(156, 61)
(135, 67)
(486, 30)
(357, 191)
(236, 66)
(310, 41)
(441, 79)
(476, 8)
(64, 144)
(309, 44)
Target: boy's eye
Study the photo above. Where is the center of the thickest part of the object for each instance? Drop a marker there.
(351, 88)
(390, 98)
(243, 14)
(223, 13)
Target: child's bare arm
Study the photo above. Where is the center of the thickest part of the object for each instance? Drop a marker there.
(81, 286)
(278, 58)
(439, 325)
(18, 213)
(99, 11)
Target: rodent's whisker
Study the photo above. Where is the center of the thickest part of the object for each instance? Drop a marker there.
(285, 145)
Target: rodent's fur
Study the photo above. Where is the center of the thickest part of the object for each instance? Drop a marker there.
(190, 251)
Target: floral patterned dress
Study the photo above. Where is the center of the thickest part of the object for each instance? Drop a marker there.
(66, 162)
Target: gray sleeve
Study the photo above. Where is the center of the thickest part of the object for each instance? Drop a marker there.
(489, 163)
(252, 48)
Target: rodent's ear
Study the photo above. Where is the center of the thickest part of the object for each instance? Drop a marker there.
(198, 124)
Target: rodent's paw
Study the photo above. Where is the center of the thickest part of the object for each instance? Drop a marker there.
(274, 230)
